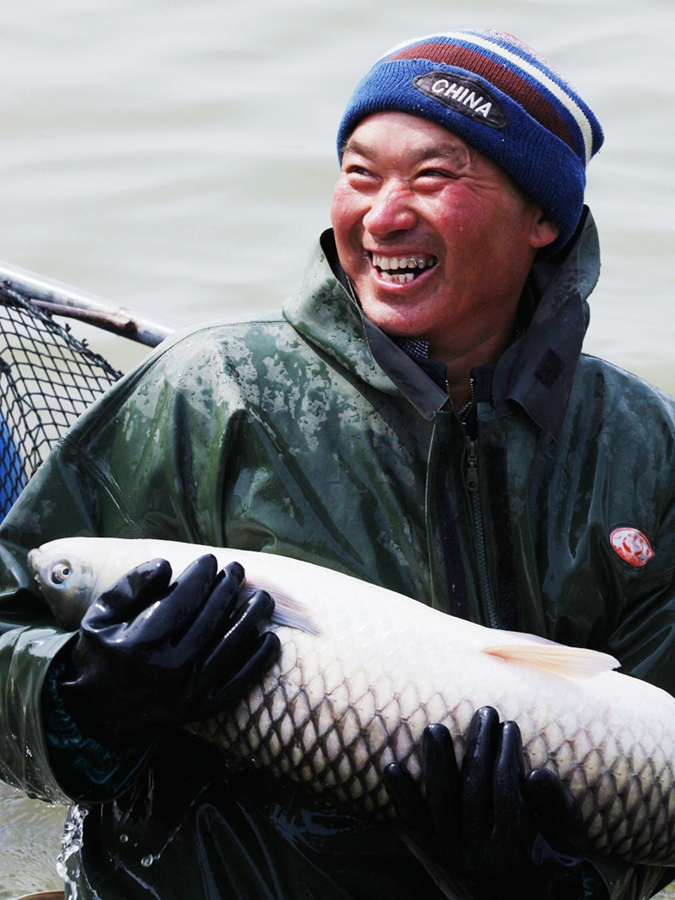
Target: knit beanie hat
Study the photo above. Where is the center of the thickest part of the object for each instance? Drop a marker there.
(502, 98)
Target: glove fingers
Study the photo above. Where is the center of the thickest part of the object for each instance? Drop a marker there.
(222, 609)
(262, 652)
(408, 802)
(476, 777)
(232, 649)
(171, 620)
(515, 830)
(130, 595)
(557, 814)
(443, 791)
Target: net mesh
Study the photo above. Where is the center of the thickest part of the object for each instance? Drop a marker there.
(47, 379)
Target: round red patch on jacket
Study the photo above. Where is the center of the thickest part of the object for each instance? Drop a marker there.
(632, 546)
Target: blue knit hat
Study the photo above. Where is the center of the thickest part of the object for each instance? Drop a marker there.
(502, 98)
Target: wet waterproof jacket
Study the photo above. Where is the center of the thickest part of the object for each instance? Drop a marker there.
(312, 434)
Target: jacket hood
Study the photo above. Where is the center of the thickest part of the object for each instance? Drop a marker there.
(324, 312)
(536, 371)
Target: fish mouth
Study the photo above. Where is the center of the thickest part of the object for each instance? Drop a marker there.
(33, 560)
(402, 269)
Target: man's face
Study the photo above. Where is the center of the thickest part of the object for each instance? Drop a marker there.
(434, 236)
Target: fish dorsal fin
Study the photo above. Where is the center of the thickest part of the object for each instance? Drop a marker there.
(287, 610)
(575, 662)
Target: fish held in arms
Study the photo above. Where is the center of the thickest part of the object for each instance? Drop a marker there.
(363, 670)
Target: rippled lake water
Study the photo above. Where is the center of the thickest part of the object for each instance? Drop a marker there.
(178, 157)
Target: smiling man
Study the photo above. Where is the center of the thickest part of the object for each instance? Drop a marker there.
(419, 416)
(436, 239)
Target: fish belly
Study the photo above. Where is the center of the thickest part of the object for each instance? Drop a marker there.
(337, 710)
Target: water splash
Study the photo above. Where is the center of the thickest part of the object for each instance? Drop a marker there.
(71, 844)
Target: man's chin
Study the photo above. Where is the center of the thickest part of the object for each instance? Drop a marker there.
(393, 321)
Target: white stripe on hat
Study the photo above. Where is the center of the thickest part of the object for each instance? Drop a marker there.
(568, 102)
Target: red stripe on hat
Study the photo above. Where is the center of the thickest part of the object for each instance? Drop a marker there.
(501, 77)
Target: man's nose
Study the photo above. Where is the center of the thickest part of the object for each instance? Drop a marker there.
(390, 210)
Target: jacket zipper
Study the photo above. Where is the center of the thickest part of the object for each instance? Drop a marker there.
(472, 484)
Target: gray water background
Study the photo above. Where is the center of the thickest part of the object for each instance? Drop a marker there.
(177, 157)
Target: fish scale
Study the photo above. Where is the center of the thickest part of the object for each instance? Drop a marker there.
(363, 670)
(340, 742)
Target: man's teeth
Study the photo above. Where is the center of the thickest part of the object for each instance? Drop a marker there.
(402, 278)
(390, 264)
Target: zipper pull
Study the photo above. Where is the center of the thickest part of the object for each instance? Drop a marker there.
(472, 473)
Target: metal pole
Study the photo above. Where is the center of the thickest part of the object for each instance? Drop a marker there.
(65, 300)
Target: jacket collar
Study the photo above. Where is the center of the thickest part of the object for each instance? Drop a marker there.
(323, 311)
(536, 372)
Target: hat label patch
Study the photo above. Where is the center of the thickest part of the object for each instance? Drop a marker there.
(463, 95)
(632, 546)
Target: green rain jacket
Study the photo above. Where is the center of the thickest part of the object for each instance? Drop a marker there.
(315, 436)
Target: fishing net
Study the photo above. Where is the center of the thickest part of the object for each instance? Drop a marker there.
(47, 379)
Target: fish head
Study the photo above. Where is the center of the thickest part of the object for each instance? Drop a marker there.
(71, 575)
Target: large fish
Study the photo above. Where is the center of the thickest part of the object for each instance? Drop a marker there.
(363, 670)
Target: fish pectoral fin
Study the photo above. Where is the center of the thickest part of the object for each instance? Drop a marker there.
(287, 610)
(575, 662)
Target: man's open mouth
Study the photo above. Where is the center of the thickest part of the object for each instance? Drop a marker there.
(402, 269)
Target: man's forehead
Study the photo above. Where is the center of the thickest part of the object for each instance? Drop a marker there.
(422, 139)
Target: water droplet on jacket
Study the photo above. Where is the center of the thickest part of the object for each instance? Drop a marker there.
(147, 860)
(124, 838)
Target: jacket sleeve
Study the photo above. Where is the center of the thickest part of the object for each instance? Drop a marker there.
(30, 638)
(29, 641)
(126, 469)
(643, 639)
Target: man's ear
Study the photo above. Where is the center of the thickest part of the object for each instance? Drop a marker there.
(543, 231)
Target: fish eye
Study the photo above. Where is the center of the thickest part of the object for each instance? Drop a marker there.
(60, 572)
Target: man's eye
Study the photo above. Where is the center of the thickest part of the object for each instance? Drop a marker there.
(359, 171)
(436, 173)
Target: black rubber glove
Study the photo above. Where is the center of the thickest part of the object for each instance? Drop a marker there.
(513, 836)
(152, 654)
